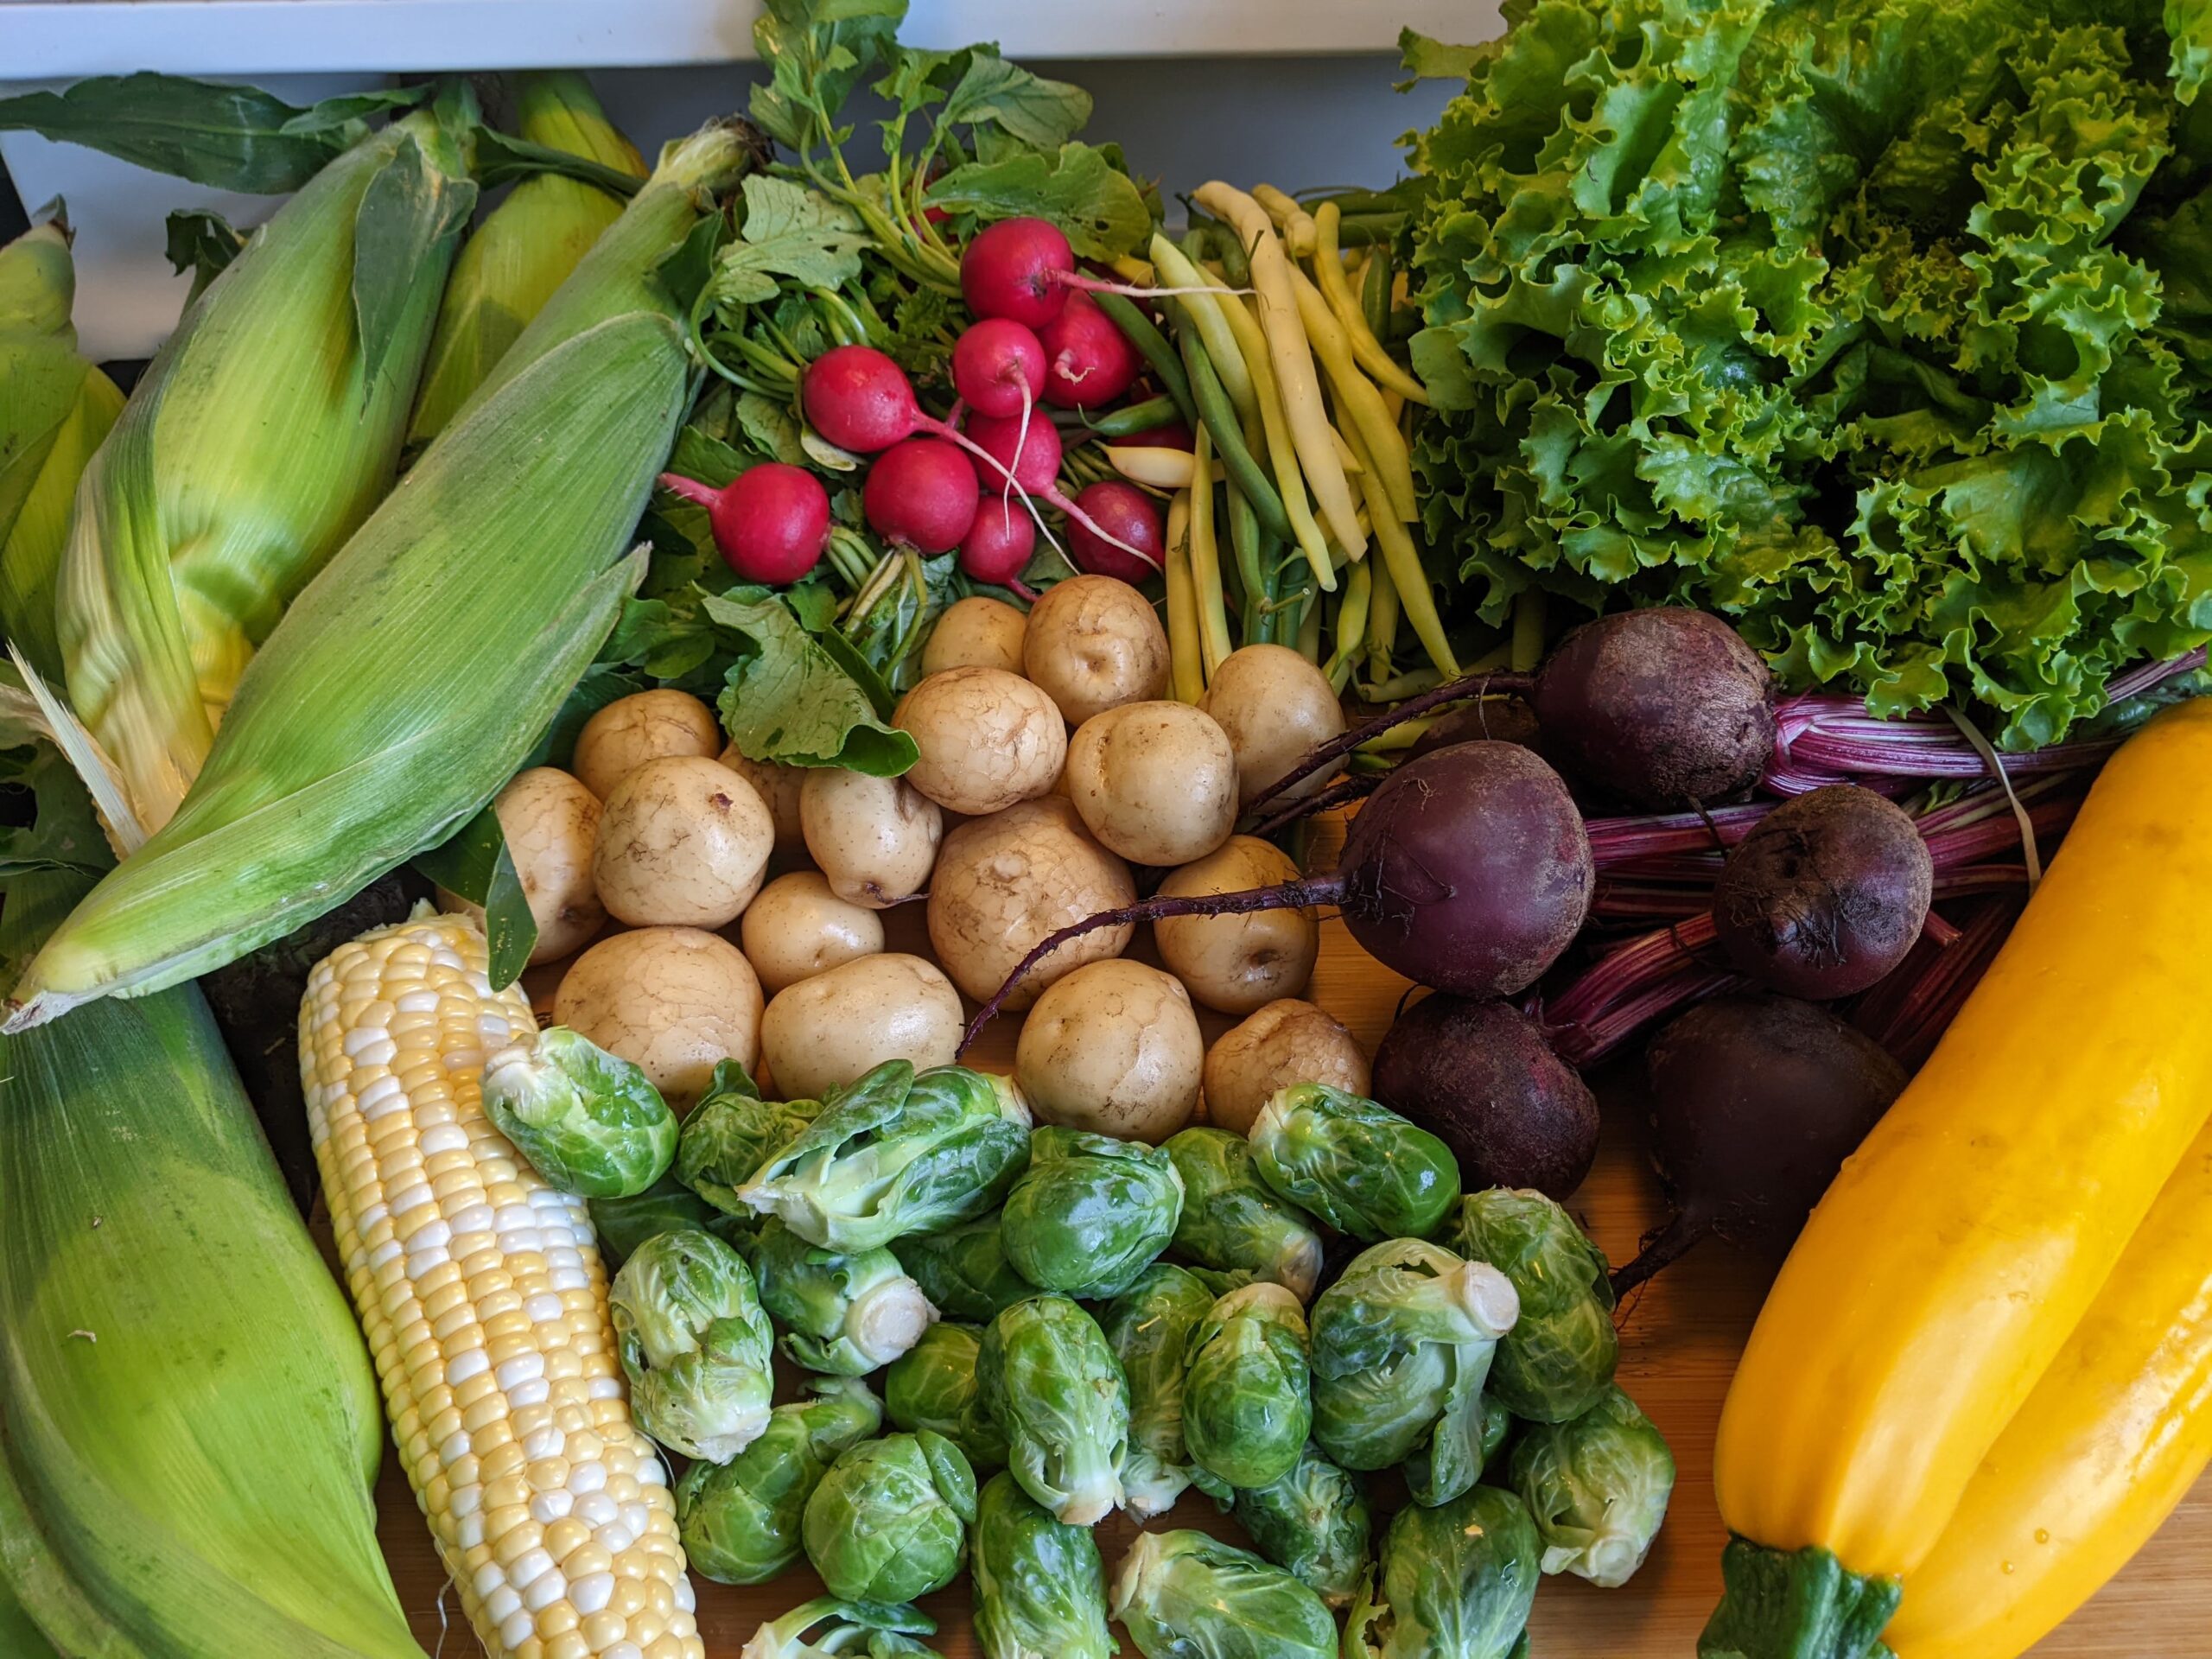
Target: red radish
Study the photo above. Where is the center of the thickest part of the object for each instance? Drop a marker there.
(998, 368)
(998, 546)
(1023, 270)
(1019, 270)
(1468, 870)
(920, 493)
(771, 521)
(1031, 457)
(1125, 538)
(1091, 361)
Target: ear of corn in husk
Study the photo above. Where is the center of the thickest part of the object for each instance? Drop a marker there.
(526, 246)
(414, 675)
(57, 409)
(189, 1428)
(263, 434)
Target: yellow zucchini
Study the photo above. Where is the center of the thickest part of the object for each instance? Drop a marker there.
(1959, 1249)
(2112, 1437)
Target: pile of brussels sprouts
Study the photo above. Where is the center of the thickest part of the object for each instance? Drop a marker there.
(1067, 1323)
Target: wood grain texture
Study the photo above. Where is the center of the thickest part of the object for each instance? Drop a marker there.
(1680, 1337)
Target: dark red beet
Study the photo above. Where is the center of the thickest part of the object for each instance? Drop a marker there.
(1755, 1103)
(1664, 708)
(1468, 870)
(1825, 894)
(1480, 1077)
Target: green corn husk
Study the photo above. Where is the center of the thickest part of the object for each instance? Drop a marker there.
(257, 441)
(413, 676)
(526, 246)
(189, 1426)
(57, 409)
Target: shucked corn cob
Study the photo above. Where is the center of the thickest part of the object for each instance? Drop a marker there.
(485, 1302)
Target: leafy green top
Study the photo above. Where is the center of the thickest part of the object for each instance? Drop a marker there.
(1874, 325)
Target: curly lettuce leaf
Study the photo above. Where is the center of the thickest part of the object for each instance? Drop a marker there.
(1878, 325)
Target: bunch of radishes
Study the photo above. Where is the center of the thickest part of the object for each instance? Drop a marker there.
(971, 482)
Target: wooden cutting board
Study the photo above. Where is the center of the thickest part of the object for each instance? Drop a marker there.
(1680, 1338)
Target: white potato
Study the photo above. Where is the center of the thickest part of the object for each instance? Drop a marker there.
(643, 726)
(683, 842)
(1095, 644)
(798, 928)
(826, 1031)
(1287, 1041)
(987, 739)
(1236, 963)
(1155, 782)
(1113, 1047)
(1275, 706)
(976, 632)
(552, 825)
(673, 1000)
(778, 786)
(1003, 884)
(876, 838)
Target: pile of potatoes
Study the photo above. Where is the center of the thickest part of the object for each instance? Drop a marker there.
(1051, 761)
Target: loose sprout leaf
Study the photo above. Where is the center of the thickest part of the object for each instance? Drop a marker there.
(789, 231)
(228, 137)
(1101, 210)
(476, 865)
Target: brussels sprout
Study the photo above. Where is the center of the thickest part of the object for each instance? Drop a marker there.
(1558, 1360)
(622, 1225)
(590, 1122)
(1401, 1344)
(741, 1520)
(1247, 1391)
(1456, 1582)
(1147, 1326)
(1312, 1523)
(731, 1133)
(1359, 1166)
(1182, 1595)
(1057, 1393)
(894, 1154)
(1598, 1488)
(847, 1315)
(841, 1628)
(695, 1345)
(963, 1270)
(1089, 1212)
(932, 1386)
(1232, 1221)
(1039, 1590)
(889, 1521)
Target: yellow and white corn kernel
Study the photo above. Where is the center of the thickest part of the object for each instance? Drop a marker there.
(482, 1295)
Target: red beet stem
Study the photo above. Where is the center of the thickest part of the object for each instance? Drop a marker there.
(1662, 1250)
(1474, 685)
(1340, 792)
(1303, 894)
